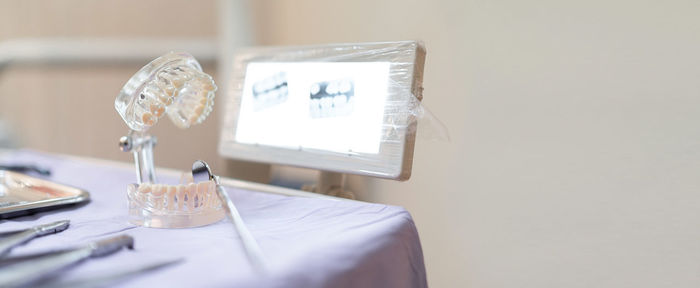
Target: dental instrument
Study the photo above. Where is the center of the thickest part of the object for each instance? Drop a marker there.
(27, 272)
(21, 237)
(201, 173)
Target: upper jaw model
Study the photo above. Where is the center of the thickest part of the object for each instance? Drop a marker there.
(172, 84)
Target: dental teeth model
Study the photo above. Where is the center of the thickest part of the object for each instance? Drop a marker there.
(174, 206)
(331, 98)
(172, 84)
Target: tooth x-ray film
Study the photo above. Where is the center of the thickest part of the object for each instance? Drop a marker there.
(337, 107)
(347, 108)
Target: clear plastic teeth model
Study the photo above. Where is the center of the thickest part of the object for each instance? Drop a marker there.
(173, 84)
(174, 206)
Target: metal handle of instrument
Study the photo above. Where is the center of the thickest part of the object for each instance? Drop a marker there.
(29, 271)
(19, 238)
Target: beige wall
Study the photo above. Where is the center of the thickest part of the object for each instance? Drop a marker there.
(574, 153)
(70, 108)
(575, 148)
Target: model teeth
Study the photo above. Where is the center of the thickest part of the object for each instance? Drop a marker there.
(186, 178)
(157, 109)
(177, 76)
(191, 197)
(184, 93)
(145, 189)
(166, 86)
(188, 196)
(177, 193)
(147, 119)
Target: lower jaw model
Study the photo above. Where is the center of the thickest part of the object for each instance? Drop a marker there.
(188, 204)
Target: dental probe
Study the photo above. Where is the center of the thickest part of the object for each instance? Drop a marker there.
(202, 172)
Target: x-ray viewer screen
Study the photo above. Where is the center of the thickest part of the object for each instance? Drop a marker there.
(332, 106)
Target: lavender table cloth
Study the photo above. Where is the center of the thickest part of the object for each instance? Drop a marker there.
(308, 242)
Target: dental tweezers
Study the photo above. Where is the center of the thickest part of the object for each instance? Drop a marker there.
(21, 237)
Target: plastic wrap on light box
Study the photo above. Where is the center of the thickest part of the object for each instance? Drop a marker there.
(331, 83)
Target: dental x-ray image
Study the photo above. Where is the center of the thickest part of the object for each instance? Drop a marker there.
(329, 106)
(270, 91)
(332, 98)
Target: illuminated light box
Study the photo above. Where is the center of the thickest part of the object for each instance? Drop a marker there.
(348, 108)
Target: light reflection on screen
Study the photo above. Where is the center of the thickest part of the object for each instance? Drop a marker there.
(332, 106)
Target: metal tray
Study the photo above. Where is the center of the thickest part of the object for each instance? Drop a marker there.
(21, 193)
